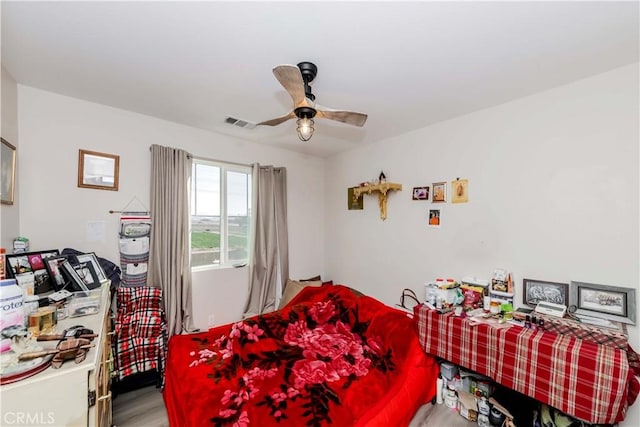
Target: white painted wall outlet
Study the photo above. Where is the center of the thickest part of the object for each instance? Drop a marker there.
(211, 320)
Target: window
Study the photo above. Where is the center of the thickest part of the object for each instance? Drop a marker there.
(220, 213)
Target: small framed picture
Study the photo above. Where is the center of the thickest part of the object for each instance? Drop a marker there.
(459, 191)
(434, 217)
(93, 259)
(535, 291)
(33, 263)
(420, 193)
(76, 283)
(52, 265)
(603, 301)
(87, 273)
(98, 170)
(8, 171)
(354, 203)
(439, 192)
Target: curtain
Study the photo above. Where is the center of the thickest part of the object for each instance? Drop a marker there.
(269, 265)
(170, 255)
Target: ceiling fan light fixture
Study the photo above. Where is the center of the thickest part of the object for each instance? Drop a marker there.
(305, 128)
(305, 122)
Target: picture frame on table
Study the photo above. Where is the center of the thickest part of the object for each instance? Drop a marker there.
(535, 291)
(420, 193)
(87, 273)
(439, 192)
(603, 301)
(93, 259)
(31, 265)
(75, 281)
(52, 265)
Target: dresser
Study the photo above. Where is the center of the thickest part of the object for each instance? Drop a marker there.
(77, 394)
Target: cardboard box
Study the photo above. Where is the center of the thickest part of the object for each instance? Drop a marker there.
(467, 406)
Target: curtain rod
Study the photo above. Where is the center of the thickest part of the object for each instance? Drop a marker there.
(191, 156)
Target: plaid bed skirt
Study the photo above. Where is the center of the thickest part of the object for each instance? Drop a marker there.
(592, 382)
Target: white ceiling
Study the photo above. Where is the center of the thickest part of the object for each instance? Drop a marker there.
(405, 64)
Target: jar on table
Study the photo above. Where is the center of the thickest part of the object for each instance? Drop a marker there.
(30, 305)
(451, 399)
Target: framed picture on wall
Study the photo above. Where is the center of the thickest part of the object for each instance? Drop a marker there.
(98, 170)
(420, 193)
(459, 191)
(354, 203)
(439, 192)
(8, 170)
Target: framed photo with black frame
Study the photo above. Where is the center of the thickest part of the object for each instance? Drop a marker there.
(52, 265)
(30, 268)
(75, 281)
(87, 273)
(604, 302)
(534, 291)
(91, 257)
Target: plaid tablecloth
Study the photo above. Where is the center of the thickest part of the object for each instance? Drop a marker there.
(589, 381)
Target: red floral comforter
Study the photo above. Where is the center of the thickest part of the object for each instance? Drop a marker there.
(328, 357)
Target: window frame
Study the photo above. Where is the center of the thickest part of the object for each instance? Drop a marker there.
(224, 167)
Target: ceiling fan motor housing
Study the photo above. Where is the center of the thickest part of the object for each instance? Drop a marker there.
(309, 72)
(305, 112)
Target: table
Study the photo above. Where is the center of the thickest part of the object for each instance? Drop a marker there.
(585, 380)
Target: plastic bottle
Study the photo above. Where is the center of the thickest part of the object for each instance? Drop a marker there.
(457, 383)
(3, 260)
(439, 390)
(11, 311)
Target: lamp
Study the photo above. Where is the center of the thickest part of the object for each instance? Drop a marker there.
(305, 122)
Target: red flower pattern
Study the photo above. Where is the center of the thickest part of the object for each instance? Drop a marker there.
(329, 352)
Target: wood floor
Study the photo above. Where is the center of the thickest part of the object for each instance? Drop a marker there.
(145, 408)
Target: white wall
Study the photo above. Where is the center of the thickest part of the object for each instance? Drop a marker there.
(55, 212)
(553, 195)
(9, 214)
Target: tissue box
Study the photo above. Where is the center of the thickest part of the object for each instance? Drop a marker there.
(20, 244)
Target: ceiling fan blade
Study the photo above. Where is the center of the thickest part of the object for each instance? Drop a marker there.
(290, 78)
(277, 121)
(349, 117)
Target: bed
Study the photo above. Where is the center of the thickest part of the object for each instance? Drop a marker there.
(331, 356)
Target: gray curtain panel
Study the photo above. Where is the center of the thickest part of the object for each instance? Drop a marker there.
(269, 268)
(170, 255)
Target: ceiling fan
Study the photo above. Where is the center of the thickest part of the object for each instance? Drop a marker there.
(296, 80)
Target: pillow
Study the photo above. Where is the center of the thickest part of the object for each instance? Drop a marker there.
(293, 288)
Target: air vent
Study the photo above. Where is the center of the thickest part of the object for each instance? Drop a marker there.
(240, 123)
